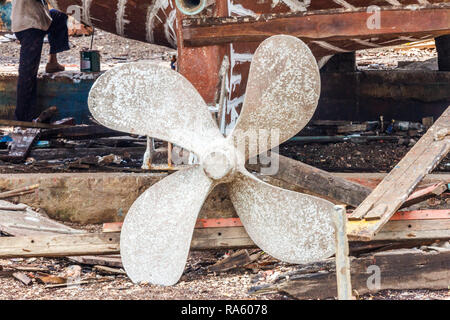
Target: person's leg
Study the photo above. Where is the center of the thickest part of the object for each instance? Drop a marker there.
(58, 37)
(31, 41)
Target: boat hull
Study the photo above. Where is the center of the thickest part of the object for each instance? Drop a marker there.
(234, 29)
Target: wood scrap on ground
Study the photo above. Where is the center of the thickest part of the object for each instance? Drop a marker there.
(28, 222)
(16, 193)
(22, 277)
(425, 194)
(21, 145)
(397, 269)
(238, 259)
(113, 261)
(108, 270)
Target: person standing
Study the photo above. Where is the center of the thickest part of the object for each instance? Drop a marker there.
(31, 21)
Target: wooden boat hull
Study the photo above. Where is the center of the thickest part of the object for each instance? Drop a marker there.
(154, 21)
(234, 29)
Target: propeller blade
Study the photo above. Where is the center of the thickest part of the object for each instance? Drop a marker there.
(282, 94)
(157, 231)
(288, 225)
(147, 99)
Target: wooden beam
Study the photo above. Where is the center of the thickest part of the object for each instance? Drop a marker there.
(81, 132)
(59, 246)
(25, 124)
(204, 238)
(425, 193)
(315, 25)
(397, 186)
(318, 182)
(399, 269)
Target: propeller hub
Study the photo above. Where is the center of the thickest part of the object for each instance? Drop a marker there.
(218, 165)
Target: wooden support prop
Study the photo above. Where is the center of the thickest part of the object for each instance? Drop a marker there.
(398, 269)
(318, 182)
(344, 285)
(314, 25)
(396, 187)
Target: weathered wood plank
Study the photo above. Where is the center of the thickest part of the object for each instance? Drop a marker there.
(318, 182)
(312, 25)
(21, 145)
(30, 223)
(342, 261)
(424, 194)
(25, 124)
(397, 269)
(203, 239)
(81, 132)
(59, 246)
(396, 187)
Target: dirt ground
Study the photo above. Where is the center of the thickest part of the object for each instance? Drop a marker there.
(372, 156)
(114, 49)
(196, 284)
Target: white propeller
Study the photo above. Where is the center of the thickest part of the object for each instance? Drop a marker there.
(282, 94)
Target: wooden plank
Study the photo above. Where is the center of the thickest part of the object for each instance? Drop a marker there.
(81, 132)
(425, 193)
(110, 261)
(236, 222)
(237, 259)
(25, 124)
(65, 153)
(421, 215)
(318, 182)
(5, 205)
(22, 277)
(414, 229)
(342, 261)
(59, 246)
(218, 223)
(399, 227)
(17, 192)
(203, 239)
(396, 187)
(398, 269)
(221, 238)
(314, 25)
(30, 223)
(21, 145)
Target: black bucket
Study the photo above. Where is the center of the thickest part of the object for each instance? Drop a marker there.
(90, 61)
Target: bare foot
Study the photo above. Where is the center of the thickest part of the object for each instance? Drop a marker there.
(54, 67)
